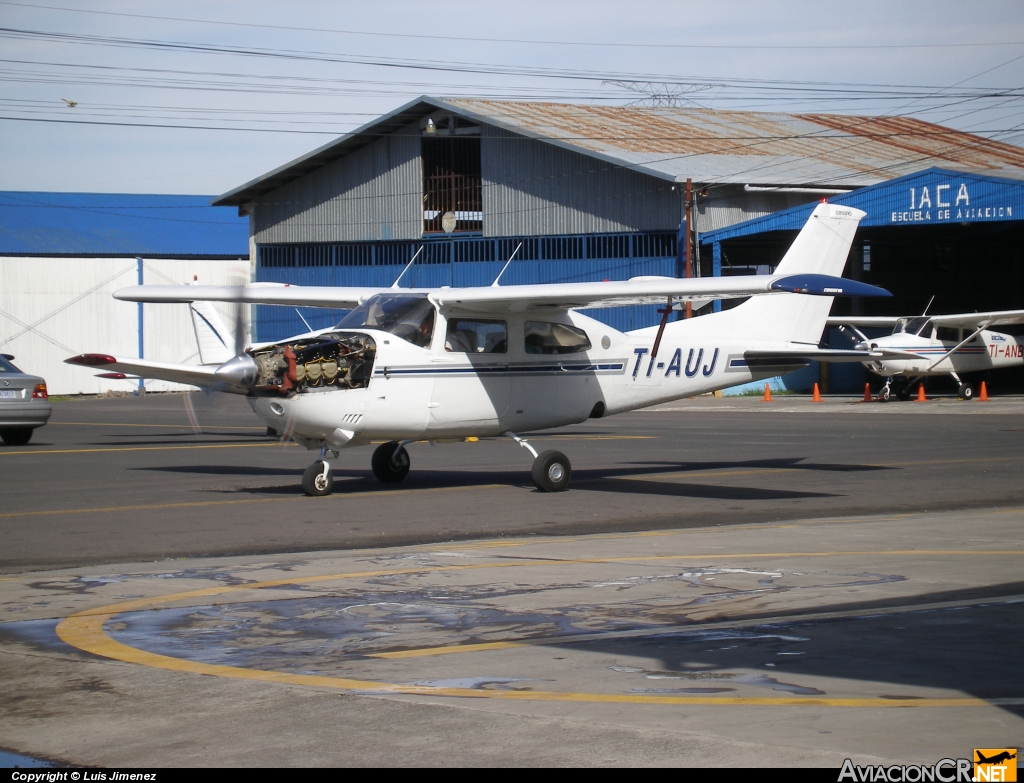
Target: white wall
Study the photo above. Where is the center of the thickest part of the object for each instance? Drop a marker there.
(54, 308)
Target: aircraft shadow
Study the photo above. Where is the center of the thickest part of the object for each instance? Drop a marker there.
(618, 479)
(953, 649)
(789, 463)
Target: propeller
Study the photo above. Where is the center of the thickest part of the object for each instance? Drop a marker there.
(238, 371)
(241, 369)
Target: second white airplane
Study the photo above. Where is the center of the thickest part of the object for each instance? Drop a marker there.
(409, 365)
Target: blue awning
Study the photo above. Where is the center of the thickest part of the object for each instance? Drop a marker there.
(931, 197)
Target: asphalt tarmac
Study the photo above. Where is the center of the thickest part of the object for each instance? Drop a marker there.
(129, 479)
(727, 583)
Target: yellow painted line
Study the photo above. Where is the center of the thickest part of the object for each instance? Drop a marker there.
(170, 426)
(204, 503)
(84, 630)
(152, 448)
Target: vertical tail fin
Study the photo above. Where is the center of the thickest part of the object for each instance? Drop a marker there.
(821, 247)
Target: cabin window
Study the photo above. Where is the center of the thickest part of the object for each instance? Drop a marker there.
(543, 337)
(466, 335)
(948, 334)
(408, 316)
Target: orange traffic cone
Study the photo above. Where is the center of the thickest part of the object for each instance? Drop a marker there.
(767, 393)
(983, 396)
(817, 394)
(920, 394)
(867, 392)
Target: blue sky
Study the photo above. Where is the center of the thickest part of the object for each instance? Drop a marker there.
(351, 62)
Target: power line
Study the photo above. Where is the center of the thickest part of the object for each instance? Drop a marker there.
(602, 44)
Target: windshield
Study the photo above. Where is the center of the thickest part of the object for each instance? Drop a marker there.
(410, 317)
(6, 366)
(911, 325)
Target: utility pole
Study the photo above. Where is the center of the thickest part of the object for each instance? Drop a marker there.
(688, 203)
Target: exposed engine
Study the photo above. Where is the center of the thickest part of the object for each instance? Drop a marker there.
(336, 360)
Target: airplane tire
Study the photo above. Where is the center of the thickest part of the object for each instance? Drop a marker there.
(18, 437)
(389, 466)
(551, 472)
(315, 483)
(966, 391)
(903, 393)
(885, 394)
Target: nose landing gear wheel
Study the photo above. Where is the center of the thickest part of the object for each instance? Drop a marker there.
(390, 463)
(317, 480)
(966, 391)
(551, 472)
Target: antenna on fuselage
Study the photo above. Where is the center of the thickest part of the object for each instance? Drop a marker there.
(928, 305)
(411, 262)
(495, 283)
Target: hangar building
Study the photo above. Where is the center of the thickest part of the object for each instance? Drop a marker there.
(62, 255)
(593, 193)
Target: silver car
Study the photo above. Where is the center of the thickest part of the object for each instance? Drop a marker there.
(24, 403)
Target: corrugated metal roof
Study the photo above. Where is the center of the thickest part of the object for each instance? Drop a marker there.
(932, 197)
(706, 145)
(119, 224)
(753, 147)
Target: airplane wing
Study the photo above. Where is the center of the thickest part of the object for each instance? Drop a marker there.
(862, 320)
(520, 298)
(176, 373)
(980, 320)
(254, 293)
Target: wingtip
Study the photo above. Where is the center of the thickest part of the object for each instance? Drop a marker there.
(91, 360)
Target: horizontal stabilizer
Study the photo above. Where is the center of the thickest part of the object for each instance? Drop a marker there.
(829, 355)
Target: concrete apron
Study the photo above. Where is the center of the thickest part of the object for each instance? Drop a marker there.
(799, 643)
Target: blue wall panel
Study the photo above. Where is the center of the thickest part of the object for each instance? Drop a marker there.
(462, 263)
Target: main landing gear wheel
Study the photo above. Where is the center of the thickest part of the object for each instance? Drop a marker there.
(966, 391)
(551, 472)
(390, 462)
(903, 392)
(317, 480)
(18, 437)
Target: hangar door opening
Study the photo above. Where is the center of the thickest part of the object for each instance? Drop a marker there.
(452, 181)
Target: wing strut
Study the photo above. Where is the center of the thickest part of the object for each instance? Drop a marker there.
(957, 347)
(665, 312)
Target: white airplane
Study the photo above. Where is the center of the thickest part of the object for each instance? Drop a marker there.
(922, 346)
(409, 365)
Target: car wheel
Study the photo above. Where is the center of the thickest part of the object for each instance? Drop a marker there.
(18, 437)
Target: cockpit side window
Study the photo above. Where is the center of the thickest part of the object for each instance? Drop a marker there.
(917, 325)
(470, 335)
(549, 338)
(948, 334)
(410, 317)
